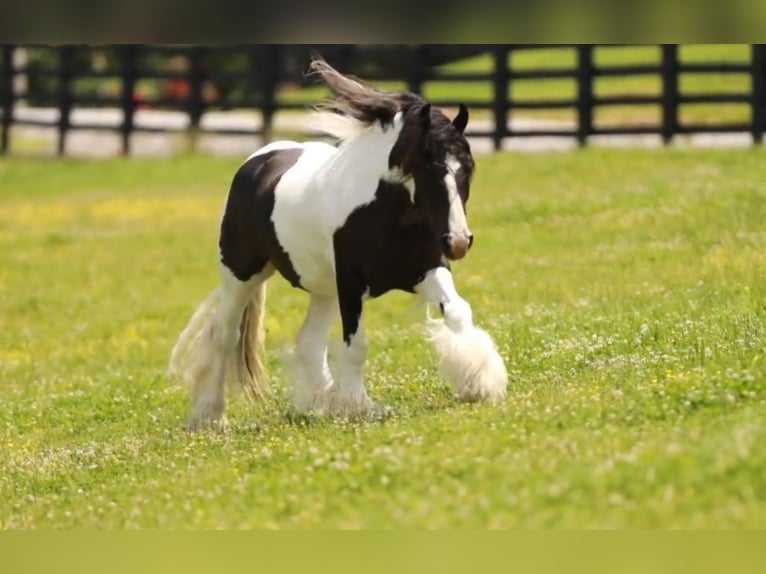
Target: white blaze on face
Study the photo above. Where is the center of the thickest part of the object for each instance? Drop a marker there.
(457, 222)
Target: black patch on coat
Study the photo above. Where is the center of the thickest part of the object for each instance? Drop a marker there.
(248, 240)
(386, 244)
(351, 287)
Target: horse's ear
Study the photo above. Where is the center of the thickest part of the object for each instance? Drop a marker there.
(461, 119)
(425, 116)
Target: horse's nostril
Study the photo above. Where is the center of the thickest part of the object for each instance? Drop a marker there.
(456, 246)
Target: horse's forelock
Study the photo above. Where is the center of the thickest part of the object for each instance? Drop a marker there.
(446, 139)
(427, 138)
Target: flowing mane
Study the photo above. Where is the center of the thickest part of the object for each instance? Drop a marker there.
(354, 107)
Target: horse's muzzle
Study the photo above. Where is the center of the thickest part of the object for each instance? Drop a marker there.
(457, 245)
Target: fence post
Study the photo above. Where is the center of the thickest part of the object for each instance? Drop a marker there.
(6, 97)
(272, 55)
(585, 73)
(128, 55)
(345, 57)
(670, 71)
(196, 78)
(500, 101)
(758, 101)
(66, 71)
(417, 69)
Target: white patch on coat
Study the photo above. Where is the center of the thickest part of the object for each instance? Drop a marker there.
(273, 146)
(396, 175)
(457, 222)
(316, 195)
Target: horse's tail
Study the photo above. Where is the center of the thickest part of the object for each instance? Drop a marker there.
(188, 356)
(192, 353)
(247, 363)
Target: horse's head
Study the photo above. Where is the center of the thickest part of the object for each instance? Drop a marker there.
(434, 152)
(430, 151)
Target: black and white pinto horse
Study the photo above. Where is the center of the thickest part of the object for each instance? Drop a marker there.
(384, 209)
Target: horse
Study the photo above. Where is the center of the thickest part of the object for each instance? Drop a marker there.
(381, 208)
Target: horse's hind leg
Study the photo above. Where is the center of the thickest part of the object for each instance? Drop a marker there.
(312, 379)
(219, 341)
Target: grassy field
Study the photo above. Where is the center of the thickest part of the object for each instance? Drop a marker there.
(626, 290)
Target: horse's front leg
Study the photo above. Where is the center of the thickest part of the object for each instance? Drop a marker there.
(468, 357)
(350, 397)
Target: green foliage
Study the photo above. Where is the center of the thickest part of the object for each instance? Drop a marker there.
(626, 290)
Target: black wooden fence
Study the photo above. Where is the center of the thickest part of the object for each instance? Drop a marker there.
(67, 77)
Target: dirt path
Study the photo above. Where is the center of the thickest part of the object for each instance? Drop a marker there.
(33, 140)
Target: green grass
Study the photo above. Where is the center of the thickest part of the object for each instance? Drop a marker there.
(553, 89)
(626, 290)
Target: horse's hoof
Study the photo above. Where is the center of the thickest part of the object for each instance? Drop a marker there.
(306, 400)
(208, 423)
(356, 407)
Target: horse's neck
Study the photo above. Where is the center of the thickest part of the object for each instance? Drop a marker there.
(368, 152)
(351, 176)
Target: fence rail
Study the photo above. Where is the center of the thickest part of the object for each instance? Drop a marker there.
(269, 79)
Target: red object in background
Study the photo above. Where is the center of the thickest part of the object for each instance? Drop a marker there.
(177, 90)
(139, 100)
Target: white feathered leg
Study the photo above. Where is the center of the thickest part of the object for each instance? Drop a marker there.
(312, 381)
(351, 398)
(467, 356)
